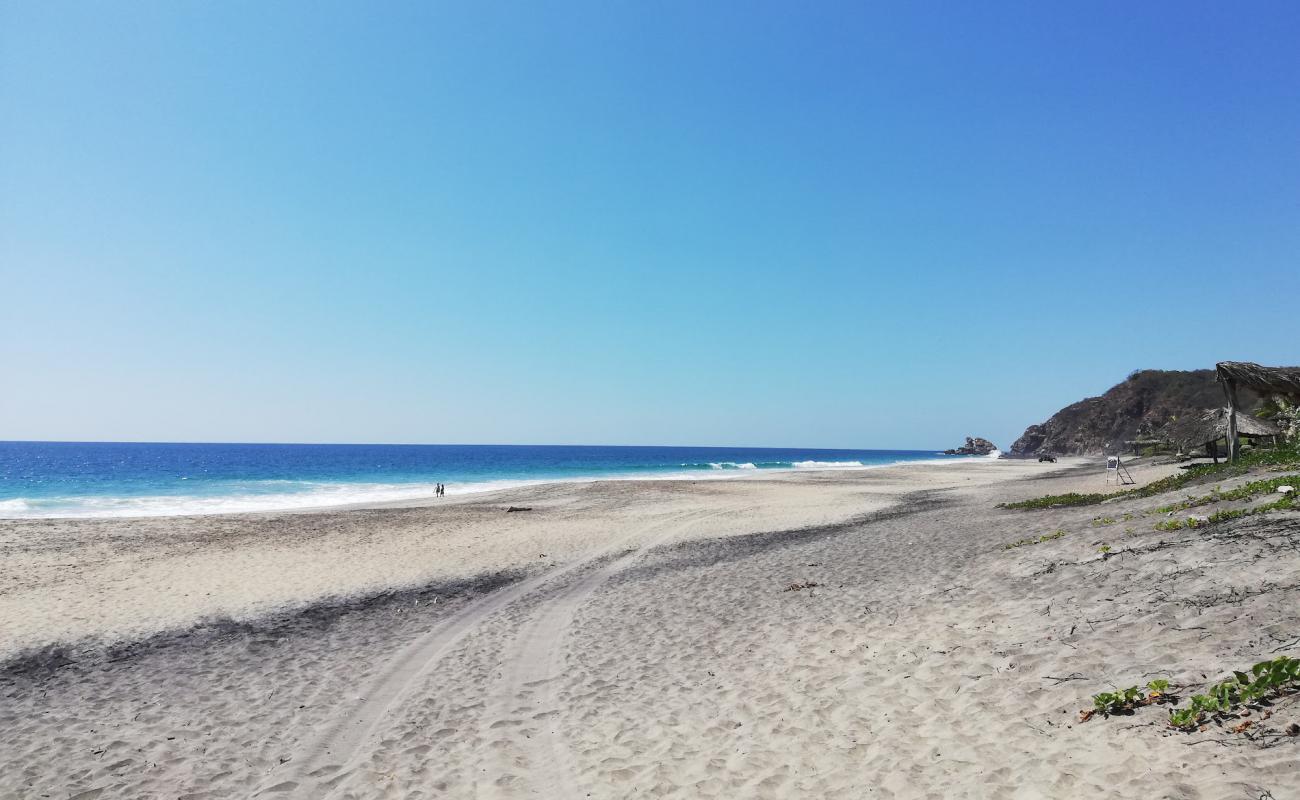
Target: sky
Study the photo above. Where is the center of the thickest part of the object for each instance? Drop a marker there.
(810, 225)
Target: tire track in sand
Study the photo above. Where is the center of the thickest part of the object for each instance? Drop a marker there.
(526, 755)
(342, 746)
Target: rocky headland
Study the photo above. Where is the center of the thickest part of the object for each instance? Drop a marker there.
(1137, 408)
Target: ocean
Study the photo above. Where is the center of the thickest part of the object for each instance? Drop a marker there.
(117, 479)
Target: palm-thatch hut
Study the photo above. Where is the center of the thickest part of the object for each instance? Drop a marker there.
(1265, 380)
(1206, 429)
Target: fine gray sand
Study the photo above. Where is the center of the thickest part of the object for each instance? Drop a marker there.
(836, 634)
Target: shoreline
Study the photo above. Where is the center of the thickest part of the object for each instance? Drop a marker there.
(425, 492)
(87, 583)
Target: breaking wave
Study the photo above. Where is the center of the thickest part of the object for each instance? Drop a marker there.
(309, 496)
(158, 491)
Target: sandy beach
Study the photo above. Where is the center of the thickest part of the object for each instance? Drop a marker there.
(825, 634)
(649, 401)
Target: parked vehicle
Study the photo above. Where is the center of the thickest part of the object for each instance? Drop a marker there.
(1046, 457)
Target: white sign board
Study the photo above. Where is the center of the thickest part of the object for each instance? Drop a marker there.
(1115, 469)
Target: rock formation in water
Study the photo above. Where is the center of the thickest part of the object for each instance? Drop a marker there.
(975, 446)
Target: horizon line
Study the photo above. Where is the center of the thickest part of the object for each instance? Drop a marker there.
(454, 444)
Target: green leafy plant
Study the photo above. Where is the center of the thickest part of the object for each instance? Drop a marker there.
(1266, 680)
(1227, 514)
(1284, 503)
(1247, 491)
(1118, 701)
(1279, 457)
(1124, 701)
(1046, 537)
(1058, 501)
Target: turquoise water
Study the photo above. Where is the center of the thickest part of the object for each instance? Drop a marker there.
(104, 479)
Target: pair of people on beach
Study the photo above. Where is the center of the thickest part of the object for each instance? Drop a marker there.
(439, 490)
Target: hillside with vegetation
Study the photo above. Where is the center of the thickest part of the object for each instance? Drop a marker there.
(1137, 409)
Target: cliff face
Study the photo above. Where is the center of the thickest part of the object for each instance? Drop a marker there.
(1137, 408)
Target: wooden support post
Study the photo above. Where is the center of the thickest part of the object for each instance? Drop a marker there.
(1230, 390)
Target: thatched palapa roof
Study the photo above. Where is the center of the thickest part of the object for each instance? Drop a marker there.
(1265, 380)
(1197, 431)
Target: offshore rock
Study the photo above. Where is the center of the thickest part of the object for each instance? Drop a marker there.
(975, 446)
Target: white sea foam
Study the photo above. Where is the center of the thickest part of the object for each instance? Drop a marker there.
(314, 495)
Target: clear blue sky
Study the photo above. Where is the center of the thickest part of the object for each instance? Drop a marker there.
(633, 223)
